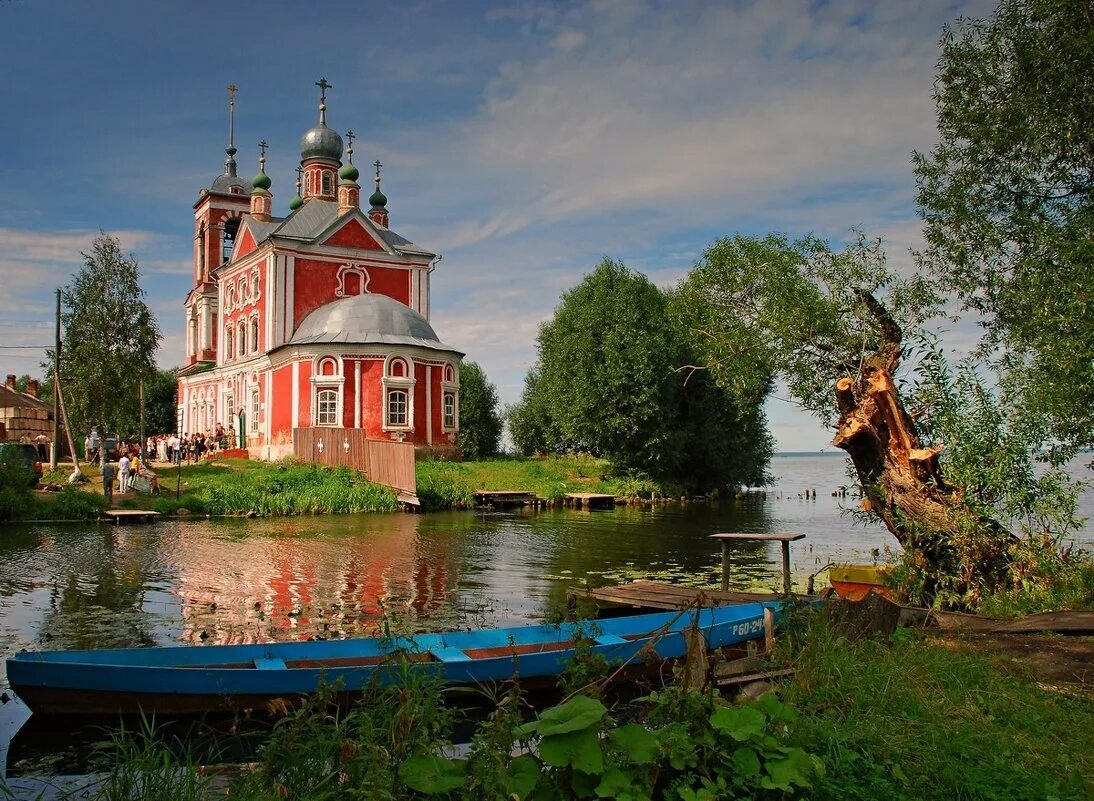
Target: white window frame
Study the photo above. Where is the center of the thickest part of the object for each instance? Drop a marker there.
(334, 411)
(405, 383)
(256, 405)
(449, 421)
(254, 333)
(229, 342)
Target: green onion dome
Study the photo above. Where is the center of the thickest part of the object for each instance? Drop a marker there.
(378, 199)
(261, 181)
(296, 202)
(349, 173)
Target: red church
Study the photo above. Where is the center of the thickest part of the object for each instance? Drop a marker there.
(319, 318)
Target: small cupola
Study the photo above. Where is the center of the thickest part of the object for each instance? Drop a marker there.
(349, 192)
(261, 198)
(378, 200)
(297, 201)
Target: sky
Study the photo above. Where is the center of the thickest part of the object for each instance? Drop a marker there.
(523, 141)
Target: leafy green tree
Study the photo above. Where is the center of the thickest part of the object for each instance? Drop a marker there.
(606, 371)
(110, 340)
(161, 394)
(480, 420)
(1007, 195)
(832, 325)
(609, 381)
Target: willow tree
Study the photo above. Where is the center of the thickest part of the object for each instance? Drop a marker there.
(833, 326)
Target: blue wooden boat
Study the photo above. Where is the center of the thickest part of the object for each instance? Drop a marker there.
(192, 679)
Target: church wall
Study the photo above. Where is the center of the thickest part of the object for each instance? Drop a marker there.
(349, 394)
(372, 398)
(281, 418)
(315, 283)
(421, 398)
(305, 415)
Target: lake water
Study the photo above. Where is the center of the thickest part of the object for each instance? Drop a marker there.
(237, 581)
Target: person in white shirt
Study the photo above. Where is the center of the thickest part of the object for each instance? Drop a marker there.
(123, 473)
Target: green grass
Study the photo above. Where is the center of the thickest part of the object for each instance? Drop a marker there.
(451, 485)
(242, 486)
(915, 718)
(1063, 583)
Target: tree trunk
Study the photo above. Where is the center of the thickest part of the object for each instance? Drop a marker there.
(959, 551)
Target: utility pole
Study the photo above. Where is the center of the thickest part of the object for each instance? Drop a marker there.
(56, 391)
(140, 400)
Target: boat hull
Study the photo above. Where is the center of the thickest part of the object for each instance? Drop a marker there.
(199, 679)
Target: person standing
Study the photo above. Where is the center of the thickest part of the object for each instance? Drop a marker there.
(108, 481)
(123, 472)
(42, 441)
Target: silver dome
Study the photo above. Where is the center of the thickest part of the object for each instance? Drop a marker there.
(321, 142)
(223, 184)
(368, 319)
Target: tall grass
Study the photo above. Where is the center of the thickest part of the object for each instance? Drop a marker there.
(288, 489)
(912, 718)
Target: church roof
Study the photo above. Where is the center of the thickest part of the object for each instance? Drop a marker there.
(223, 183)
(368, 319)
(316, 217)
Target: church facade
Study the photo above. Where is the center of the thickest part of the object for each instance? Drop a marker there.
(319, 318)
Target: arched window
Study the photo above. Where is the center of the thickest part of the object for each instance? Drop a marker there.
(201, 252)
(328, 367)
(254, 335)
(231, 228)
(397, 368)
(328, 183)
(244, 292)
(229, 341)
(448, 373)
(397, 407)
(241, 335)
(326, 407)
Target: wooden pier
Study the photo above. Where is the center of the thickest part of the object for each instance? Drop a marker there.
(500, 499)
(119, 516)
(644, 594)
(589, 500)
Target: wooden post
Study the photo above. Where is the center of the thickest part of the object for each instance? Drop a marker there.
(725, 566)
(55, 454)
(786, 567)
(769, 629)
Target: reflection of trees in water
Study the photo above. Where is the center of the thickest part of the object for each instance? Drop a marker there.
(106, 614)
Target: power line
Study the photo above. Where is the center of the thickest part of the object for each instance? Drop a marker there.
(24, 347)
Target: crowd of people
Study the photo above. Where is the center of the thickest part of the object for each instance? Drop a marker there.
(134, 459)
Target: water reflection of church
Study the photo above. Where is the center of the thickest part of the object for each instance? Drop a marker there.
(298, 586)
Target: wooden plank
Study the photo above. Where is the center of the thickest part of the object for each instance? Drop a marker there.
(751, 677)
(655, 595)
(745, 537)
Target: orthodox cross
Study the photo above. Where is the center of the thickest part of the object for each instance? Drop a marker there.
(323, 87)
(377, 165)
(262, 146)
(350, 136)
(299, 176)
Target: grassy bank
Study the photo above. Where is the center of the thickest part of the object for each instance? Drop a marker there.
(221, 487)
(451, 485)
(917, 716)
(904, 717)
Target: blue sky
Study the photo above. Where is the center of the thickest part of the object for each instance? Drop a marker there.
(523, 141)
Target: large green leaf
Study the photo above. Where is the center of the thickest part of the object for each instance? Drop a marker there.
(775, 709)
(637, 743)
(745, 763)
(522, 775)
(794, 768)
(739, 722)
(579, 749)
(577, 713)
(432, 774)
(615, 784)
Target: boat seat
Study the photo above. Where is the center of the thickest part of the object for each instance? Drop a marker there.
(609, 639)
(270, 664)
(450, 654)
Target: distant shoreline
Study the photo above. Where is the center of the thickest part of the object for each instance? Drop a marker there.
(782, 454)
